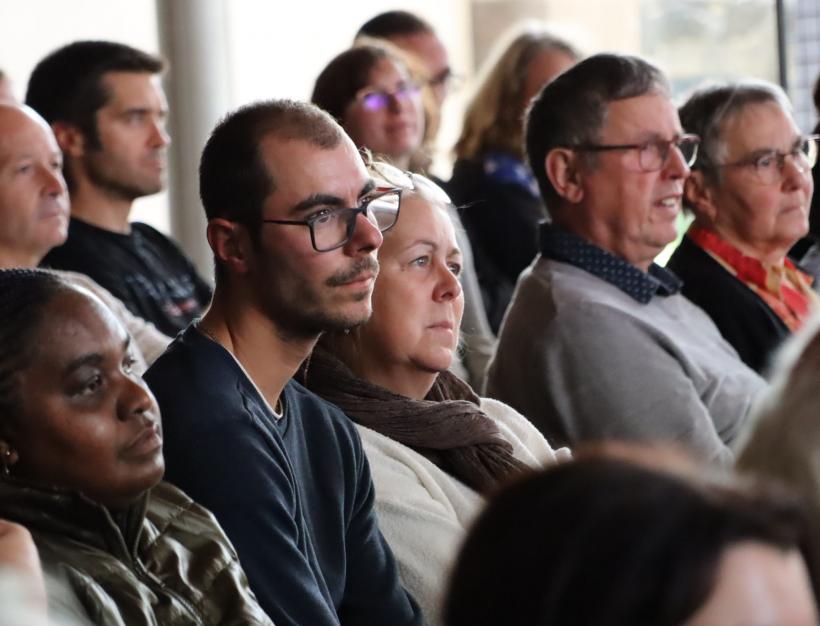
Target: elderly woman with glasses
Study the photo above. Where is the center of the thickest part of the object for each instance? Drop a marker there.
(435, 448)
(373, 94)
(749, 191)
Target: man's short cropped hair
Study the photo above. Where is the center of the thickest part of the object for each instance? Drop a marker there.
(233, 179)
(67, 86)
(707, 110)
(394, 24)
(571, 109)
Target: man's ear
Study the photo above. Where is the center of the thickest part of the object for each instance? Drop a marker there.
(231, 244)
(70, 139)
(562, 169)
(700, 195)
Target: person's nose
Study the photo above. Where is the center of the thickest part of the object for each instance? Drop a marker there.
(675, 165)
(796, 172)
(159, 133)
(366, 237)
(135, 400)
(448, 286)
(53, 181)
(397, 102)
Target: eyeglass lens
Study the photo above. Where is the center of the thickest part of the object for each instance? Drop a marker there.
(335, 228)
(377, 100)
(769, 167)
(654, 154)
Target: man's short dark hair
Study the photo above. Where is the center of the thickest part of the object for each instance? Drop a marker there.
(233, 179)
(67, 86)
(571, 109)
(394, 24)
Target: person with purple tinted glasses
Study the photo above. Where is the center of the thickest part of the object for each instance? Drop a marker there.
(372, 94)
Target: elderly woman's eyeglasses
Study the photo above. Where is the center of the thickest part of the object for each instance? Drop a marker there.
(378, 99)
(652, 155)
(767, 165)
(333, 228)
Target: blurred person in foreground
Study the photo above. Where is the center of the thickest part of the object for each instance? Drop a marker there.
(612, 541)
(783, 440)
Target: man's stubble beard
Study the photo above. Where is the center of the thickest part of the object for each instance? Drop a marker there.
(113, 185)
(305, 316)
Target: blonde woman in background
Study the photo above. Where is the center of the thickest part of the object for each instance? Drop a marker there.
(491, 184)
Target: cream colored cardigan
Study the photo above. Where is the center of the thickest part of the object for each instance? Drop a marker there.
(424, 512)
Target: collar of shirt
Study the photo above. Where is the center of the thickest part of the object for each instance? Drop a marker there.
(561, 245)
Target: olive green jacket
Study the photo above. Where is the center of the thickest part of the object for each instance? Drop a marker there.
(165, 561)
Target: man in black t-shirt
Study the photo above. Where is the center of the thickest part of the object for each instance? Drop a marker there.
(107, 109)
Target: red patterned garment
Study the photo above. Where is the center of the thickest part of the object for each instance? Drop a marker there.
(785, 288)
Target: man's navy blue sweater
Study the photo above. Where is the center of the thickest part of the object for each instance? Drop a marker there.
(294, 494)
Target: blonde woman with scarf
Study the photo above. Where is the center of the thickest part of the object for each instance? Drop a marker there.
(435, 448)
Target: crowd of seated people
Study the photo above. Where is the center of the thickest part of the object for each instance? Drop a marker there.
(321, 458)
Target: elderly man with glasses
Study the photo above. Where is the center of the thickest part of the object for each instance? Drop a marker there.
(749, 191)
(598, 342)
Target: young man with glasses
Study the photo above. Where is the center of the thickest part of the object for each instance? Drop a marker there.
(294, 222)
(749, 191)
(598, 342)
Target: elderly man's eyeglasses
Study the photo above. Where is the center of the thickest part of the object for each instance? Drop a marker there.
(652, 155)
(378, 99)
(767, 165)
(333, 228)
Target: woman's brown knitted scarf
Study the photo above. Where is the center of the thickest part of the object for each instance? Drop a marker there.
(447, 427)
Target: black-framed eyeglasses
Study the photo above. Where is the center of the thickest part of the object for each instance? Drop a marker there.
(767, 165)
(652, 154)
(333, 228)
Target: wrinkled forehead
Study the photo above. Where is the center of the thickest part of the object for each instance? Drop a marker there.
(646, 116)
(765, 121)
